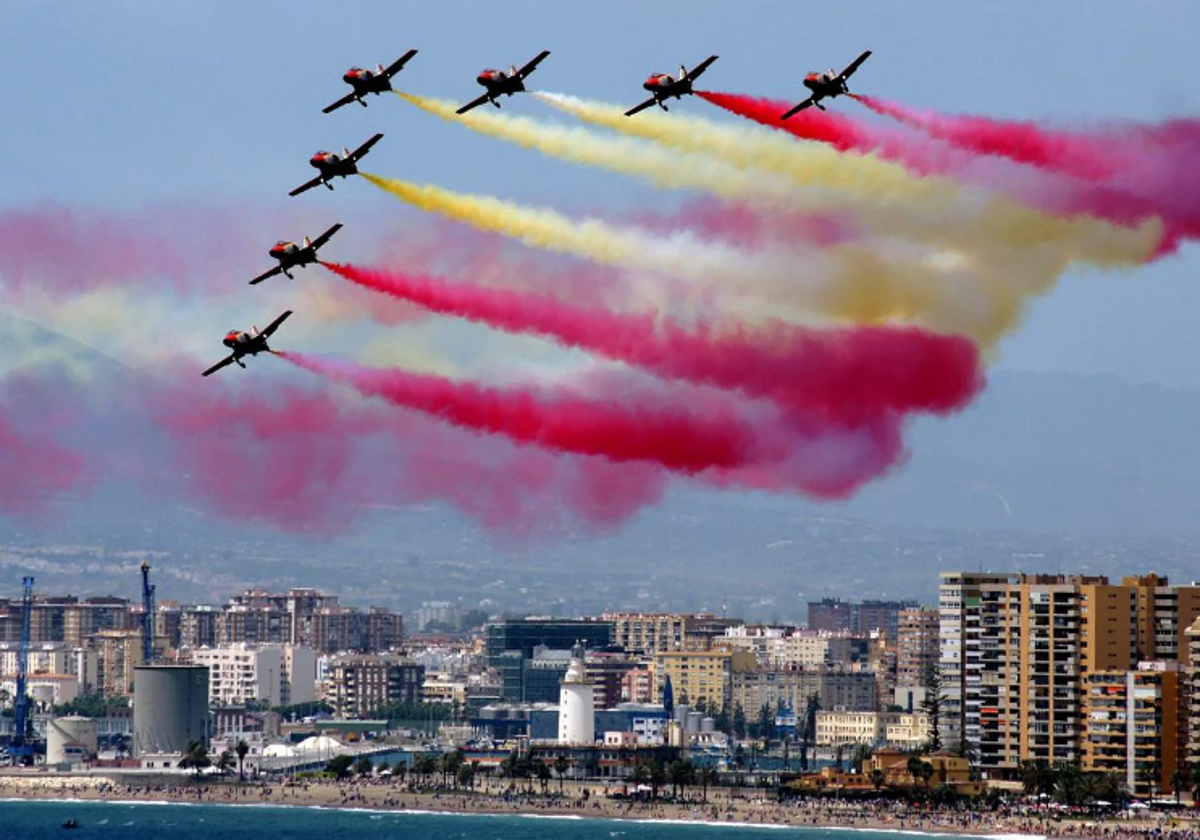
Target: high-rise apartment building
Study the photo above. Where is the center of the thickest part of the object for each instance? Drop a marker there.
(1134, 725)
(916, 645)
(1018, 654)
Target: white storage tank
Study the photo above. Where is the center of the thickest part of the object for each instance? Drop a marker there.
(693, 722)
(70, 740)
(170, 708)
(708, 724)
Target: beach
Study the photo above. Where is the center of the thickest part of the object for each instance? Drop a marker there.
(724, 806)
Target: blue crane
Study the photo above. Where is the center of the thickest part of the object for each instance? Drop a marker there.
(147, 615)
(20, 745)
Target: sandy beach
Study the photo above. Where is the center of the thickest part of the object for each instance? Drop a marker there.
(724, 806)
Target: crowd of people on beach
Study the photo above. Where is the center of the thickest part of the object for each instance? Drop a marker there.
(715, 805)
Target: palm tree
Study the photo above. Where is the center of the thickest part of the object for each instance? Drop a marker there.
(225, 762)
(561, 765)
(542, 769)
(913, 766)
(708, 776)
(877, 779)
(241, 748)
(861, 755)
(195, 757)
(640, 774)
(1179, 780)
(658, 775)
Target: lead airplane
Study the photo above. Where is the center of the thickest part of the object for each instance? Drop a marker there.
(664, 87)
(499, 83)
(291, 255)
(332, 165)
(247, 344)
(826, 84)
(367, 81)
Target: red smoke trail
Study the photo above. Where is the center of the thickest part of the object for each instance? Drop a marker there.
(1079, 155)
(676, 438)
(846, 376)
(843, 133)
(303, 461)
(1162, 190)
(34, 465)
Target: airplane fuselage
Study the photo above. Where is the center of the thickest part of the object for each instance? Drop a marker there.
(291, 255)
(245, 344)
(331, 165)
(499, 83)
(664, 86)
(824, 85)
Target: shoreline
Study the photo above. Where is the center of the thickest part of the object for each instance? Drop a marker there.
(725, 808)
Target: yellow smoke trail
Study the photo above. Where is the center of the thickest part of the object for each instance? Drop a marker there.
(890, 200)
(944, 291)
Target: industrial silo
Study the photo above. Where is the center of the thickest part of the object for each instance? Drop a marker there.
(170, 708)
(70, 740)
(708, 724)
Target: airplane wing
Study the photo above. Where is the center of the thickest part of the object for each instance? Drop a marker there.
(396, 67)
(325, 237)
(532, 65)
(641, 107)
(271, 273)
(307, 185)
(274, 325)
(845, 74)
(364, 148)
(474, 103)
(695, 72)
(228, 360)
(345, 100)
(799, 108)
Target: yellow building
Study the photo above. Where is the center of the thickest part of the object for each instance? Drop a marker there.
(118, 653)
(1134, 725)
(700, 675)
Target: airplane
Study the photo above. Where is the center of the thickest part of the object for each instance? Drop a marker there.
(664, 87)
(368, 81)
(290, 254)
(826, 84)
(499, 83)
(333, 165)
(247, 344)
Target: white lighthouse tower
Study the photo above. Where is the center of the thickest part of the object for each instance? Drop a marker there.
(576, 704)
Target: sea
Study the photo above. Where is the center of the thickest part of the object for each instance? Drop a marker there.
(27, 820)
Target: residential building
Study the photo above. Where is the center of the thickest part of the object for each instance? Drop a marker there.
(361, 685)
(1164, 613)
(834, 687)
(1134, 725)
(1192, 635)
(240, 673)
(118, 653)
(959, 652)
(700, 675)
(916, 645)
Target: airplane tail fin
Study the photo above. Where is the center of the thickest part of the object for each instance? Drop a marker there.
(254, 330)
(307, 242)
(345, 152)
(379, 69)
(512, 70)
(682, 72)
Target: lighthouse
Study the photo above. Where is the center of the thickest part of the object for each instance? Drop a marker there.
(576, 704)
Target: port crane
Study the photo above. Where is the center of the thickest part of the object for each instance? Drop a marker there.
(147, 615)
(20, 745)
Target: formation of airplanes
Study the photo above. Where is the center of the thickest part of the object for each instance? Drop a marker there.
(496, 83)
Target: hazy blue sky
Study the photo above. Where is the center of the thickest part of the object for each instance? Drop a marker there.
(124, 104)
